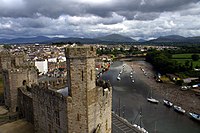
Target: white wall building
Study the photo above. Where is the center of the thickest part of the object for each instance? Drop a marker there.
(42, 66)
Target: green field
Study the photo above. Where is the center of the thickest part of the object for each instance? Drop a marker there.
(182, 61)
(182, 56)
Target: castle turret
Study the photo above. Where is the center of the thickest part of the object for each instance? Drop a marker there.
(16, 70)
(86, 102)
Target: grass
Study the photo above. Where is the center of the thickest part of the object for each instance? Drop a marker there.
(182, 56)
(165, 78)
(182, 61)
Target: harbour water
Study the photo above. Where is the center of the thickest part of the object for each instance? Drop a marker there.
(131, 99)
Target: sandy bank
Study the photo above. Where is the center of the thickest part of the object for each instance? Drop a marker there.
(186, 99)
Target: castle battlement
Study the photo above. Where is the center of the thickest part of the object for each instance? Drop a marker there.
(43, 88)
(80, 51)
(16, 69)
(20, 70)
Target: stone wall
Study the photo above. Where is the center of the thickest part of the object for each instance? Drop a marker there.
(50, 110)
(15, 69)
(99, 110)
(12, 80)
(25, 103)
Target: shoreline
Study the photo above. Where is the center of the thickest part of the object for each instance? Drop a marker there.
(186, 99)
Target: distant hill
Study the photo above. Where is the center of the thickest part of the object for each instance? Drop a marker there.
(170, 38)
(175, 39)
(37, 39)
(113, 38)
(109, 39)
(141, 40)
(75, 40)
(194, 39)
(116, 38)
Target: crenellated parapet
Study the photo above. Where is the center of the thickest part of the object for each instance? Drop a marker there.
(50, 109)
(80, 52)
(42, 88)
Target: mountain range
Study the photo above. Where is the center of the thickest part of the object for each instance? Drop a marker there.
(108, 39)
(176, 39)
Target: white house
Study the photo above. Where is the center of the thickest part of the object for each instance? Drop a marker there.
(42, 66)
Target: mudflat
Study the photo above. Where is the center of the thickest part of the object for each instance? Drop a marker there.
(186, 99)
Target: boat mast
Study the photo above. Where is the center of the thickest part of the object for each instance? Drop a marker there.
(155, 130)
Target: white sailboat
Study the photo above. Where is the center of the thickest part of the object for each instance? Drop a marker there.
(151, 99)
(195, 116)
(167, 103)
(118, 78)
(179, 109)
(139, 126)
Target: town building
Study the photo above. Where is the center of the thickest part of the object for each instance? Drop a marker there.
(42, 66)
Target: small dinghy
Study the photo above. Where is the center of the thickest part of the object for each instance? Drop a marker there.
(195, 116)
(118, 78)
(152, 100)
(167, 103)
(179, 109)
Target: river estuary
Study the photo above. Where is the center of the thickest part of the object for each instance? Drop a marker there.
(131, 97)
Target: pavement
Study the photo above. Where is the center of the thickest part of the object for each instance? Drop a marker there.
(19, 126)
(3, 110)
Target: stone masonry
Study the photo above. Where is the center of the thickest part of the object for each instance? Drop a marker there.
(89, 106)
(50, 110)
(86, 108)
(15, 70)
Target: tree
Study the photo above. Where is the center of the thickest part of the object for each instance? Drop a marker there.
(7, 46)
(195, 57)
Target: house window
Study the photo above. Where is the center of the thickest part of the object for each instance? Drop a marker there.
(48, 112)
(91, 75)
(78, 117)
(49, 126)
(106, 124)
(57, 118)
(82, 75)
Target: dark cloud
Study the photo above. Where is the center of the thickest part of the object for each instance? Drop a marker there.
(92, 18)
(55, 8)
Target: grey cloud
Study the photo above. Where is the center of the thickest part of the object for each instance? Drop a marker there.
(55, 8)
(135, 18)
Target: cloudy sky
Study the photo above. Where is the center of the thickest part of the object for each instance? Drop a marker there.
(91, 18)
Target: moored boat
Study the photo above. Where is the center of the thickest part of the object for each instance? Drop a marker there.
(141, 129)
(118, 78)
(179, 109)
(167, 103)
(195, 116)
(138, 125)
(152, 100)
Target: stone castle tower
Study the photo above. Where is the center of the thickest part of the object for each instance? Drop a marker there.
(16, 71)
(88, 106)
